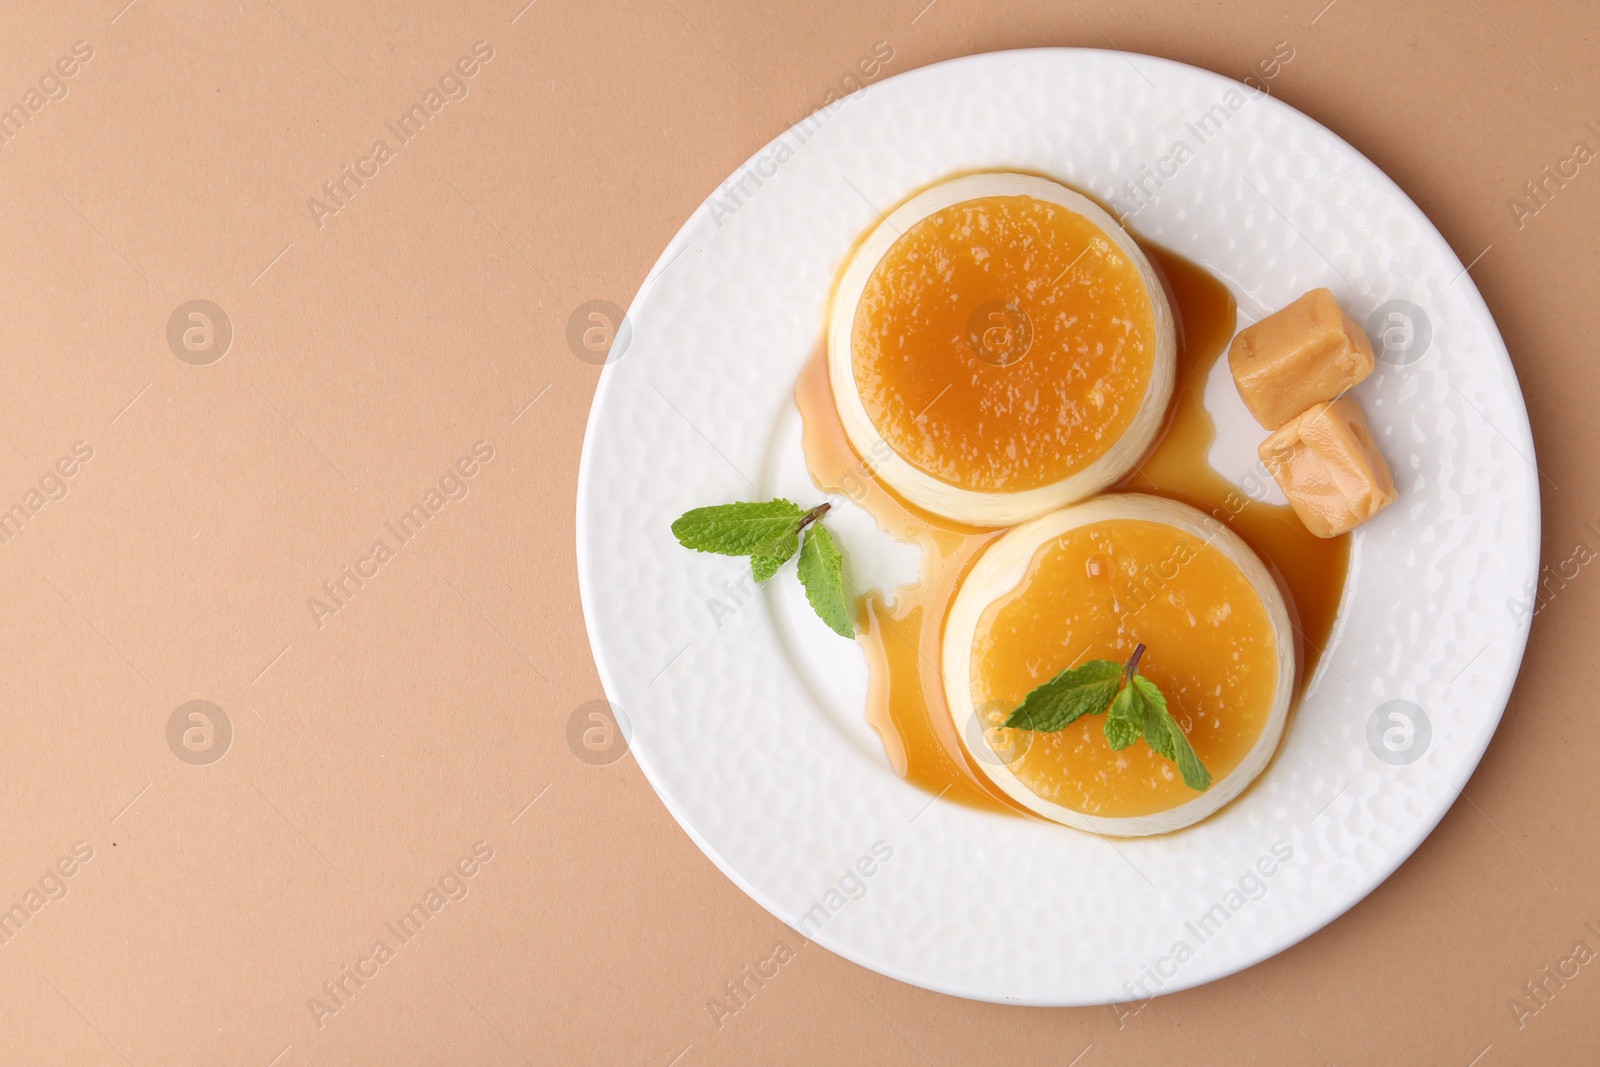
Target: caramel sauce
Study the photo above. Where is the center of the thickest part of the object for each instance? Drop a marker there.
(902, 634)
(1309, 570)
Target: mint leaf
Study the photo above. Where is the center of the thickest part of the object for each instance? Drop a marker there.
(737, 529)
(1156, 733)
(1189, 765)
(1176, 747)
(766, 559)
(1068, 696)
(1125, 720)
(764, 566)
(1195, 775)
(821, 570)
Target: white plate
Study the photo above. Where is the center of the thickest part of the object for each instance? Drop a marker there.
(746, 712)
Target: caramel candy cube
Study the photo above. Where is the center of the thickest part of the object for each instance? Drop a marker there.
(1327, 465)
(1309, 352)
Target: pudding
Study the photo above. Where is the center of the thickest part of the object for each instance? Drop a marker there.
(998, 346)
(1093, 581)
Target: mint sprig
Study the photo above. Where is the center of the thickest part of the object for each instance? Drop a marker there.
(1136, 707)
(770, 532)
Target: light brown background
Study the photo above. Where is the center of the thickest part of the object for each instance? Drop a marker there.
(369, 354)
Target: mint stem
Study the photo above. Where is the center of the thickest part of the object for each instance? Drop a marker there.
(814, 514)
(1133, 665)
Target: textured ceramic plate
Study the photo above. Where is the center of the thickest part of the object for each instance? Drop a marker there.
(746, 712)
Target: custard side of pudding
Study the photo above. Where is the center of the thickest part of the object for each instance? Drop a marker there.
(1094, 581)
(999, 346)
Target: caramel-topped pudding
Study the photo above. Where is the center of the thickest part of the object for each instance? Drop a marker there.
(1092, 582)
(998, 346)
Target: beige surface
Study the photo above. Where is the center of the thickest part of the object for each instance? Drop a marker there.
(375, 345)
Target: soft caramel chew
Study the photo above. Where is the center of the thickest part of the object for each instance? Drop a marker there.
(1307, 353)
(1327, 465)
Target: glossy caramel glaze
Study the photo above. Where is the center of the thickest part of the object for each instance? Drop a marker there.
(1003, 343)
